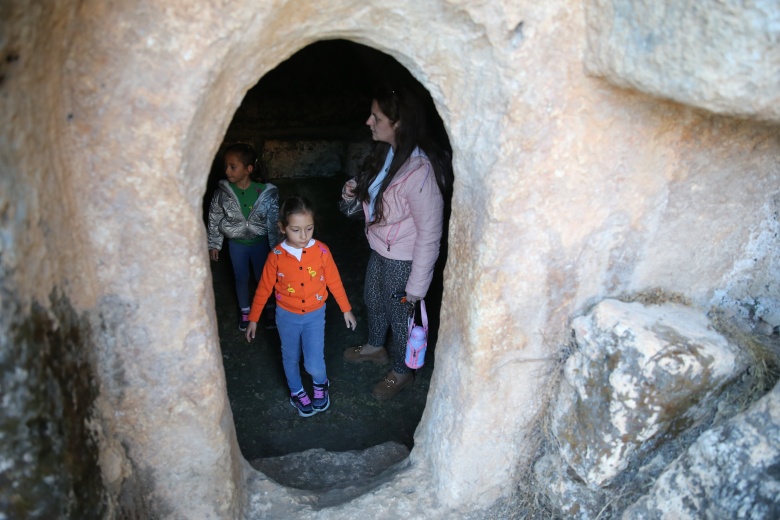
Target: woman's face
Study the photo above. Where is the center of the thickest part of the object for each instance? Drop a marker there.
(382, 129)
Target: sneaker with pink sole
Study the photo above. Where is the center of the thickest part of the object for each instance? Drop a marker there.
(321, 400)
(302, 403)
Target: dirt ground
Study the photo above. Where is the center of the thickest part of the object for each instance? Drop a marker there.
(266, 424)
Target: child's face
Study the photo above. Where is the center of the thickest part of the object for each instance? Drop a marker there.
(236, 171)
(299, 229)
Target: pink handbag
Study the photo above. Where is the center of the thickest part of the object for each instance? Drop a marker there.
(418, 339)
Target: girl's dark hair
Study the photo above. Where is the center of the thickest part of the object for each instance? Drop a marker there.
(248, 156)
(293, 205)
(404, 106)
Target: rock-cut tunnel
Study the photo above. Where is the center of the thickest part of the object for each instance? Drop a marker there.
(306, 119)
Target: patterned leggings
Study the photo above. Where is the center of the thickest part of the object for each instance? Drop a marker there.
(385, 277)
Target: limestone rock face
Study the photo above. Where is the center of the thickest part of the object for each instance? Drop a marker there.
(731, 471)
(568, 496)
(721, 56)
(638, 373)
(567, 190)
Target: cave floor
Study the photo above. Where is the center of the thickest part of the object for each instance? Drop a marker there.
(266, 424)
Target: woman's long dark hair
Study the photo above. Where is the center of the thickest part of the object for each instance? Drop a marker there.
(406, 108)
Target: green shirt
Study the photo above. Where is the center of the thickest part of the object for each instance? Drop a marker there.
(246, 199)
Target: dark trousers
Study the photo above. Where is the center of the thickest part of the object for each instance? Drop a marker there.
(385, 277)
(241, 256)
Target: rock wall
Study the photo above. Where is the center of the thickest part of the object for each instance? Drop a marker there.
(640, 374)
(568, 190)
(730, 472)
(655, 397)
(719, 56)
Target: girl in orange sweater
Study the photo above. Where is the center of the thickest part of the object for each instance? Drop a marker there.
(300, 271)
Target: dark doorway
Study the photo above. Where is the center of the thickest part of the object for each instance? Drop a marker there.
(306, 118)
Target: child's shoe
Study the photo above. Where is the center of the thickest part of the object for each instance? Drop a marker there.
(392, 384)
(243, 321)
(302, 403)
(321, 399)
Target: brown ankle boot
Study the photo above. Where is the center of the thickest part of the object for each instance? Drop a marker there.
(391, 385)
(357, 355)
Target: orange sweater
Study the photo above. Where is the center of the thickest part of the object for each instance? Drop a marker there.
(299, 286)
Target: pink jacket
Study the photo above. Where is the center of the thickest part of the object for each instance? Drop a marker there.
(412, 225)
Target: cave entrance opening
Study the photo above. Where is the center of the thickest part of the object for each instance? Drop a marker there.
(306, 120)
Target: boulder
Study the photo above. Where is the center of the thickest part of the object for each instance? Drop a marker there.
(319, 469)
(638, 373)
(720, 56)
(567, 495)
(731, 471)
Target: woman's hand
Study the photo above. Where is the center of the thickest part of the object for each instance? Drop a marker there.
(214, 254)
(348, 191)
(349, 319)
(411, 298)
(250, 331)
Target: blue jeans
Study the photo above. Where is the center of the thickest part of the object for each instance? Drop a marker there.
(302, 332)
(241, 256)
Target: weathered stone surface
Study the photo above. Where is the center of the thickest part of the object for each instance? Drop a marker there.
(568, 497)
(290, 159)
(356, 154)
(731, 471)
(754, 311)
(41, 476)
(721, 56)
(638, 372)
(567, 190)
(320, 469)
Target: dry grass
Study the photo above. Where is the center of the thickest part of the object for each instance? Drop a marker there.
(763, 371)
(654, 296)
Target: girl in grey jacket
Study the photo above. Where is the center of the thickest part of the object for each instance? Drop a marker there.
(246, 212)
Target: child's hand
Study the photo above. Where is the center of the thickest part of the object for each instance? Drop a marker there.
(214, 254)
(349, 319)
(348, 191)
(250, 331)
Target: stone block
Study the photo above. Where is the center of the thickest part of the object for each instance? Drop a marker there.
(300, 158)
(568, 496)
(319, 469)
(720, 56)
(638, 372)
(731, 471)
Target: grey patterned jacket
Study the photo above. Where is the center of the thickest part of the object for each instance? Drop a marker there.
(226, 219)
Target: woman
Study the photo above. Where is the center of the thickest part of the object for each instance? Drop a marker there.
(402, 191)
